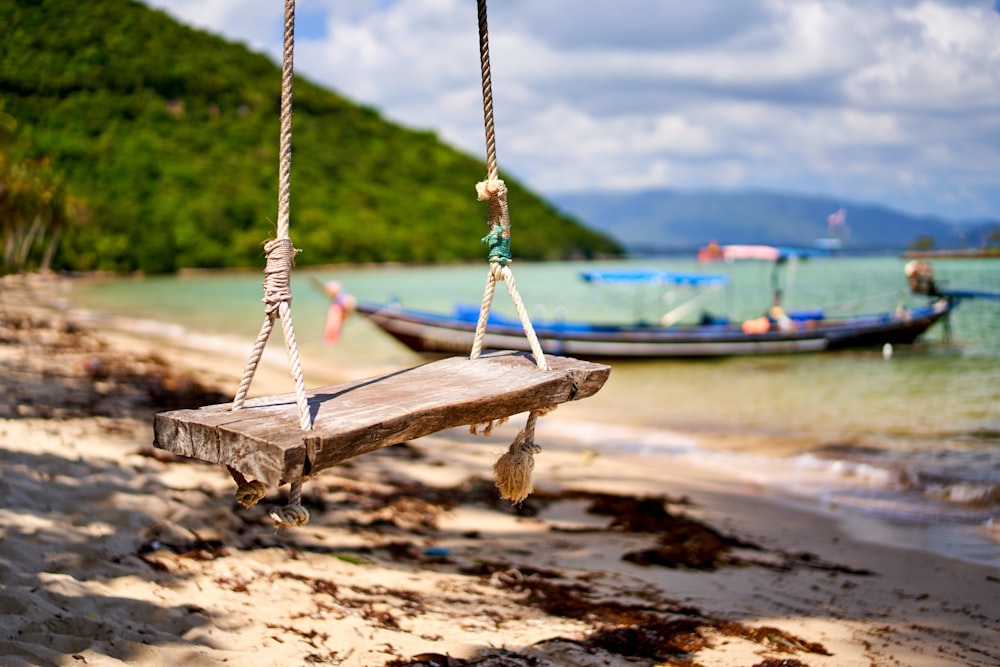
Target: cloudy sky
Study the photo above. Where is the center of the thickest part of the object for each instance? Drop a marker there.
(888, 101)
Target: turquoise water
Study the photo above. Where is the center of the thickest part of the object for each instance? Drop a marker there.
(914, 438)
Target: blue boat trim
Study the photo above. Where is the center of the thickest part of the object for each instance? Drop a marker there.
(435, 333)
(653, 276)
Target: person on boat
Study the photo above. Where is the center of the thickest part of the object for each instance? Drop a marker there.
(921, 278)
(776, 314)
(342, 304)
(711, 252)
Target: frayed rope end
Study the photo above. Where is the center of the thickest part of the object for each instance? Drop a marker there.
(487, 427)
(512, 472)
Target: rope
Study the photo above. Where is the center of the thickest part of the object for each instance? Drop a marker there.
(285, 141)
(277, 286)
(293, 514)
(277, 303)
(494, 191)
(505, 274)
(492, 171)
(484, 314)
(512, 471)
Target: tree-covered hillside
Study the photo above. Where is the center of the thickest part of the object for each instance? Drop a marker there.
(168, 138)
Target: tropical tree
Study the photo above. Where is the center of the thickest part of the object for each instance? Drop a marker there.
(922, 242)
(35, 209)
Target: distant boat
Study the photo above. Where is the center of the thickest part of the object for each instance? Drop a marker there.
(713, 252)
(829, 244)
(778, 332)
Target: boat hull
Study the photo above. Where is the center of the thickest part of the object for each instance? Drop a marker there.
(431, 333)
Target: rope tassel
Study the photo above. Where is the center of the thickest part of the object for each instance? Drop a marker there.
(512, 471)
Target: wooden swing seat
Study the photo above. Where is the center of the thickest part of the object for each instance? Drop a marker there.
(264, 441)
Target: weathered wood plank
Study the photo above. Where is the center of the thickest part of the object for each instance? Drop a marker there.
(264, 441)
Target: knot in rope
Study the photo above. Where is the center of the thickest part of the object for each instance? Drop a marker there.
(512, 471)
(293, 514)
(290, 516)
(490, 188)
(277, 273)
(494, 190)
(250, 493)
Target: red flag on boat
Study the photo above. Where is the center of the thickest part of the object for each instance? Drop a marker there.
(837, 219)
(340, 307)
(334, 322)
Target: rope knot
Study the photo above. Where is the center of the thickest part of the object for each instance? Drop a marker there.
(512, 471)
(277, 273)
(250, 493)
(491, 188)
(293, 514)
(290, 516)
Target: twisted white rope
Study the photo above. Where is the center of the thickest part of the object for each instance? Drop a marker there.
(492, 170)
(285, 141)
(505, 274)
(484, 314)
(277, 280)
(277, 303)
(494, 191)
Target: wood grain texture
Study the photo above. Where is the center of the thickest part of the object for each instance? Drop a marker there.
(264, 441)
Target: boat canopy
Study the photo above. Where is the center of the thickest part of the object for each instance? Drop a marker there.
(770, 253)
(654, 276)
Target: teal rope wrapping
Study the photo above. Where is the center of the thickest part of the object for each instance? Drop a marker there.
(499, 245)
(495, 192)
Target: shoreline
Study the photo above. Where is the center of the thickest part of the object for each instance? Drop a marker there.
(120, 555)
(874, 519)
(955, 537)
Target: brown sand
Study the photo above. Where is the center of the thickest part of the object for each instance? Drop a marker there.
(113, 553)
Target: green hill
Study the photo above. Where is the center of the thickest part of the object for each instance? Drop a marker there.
(165, 138)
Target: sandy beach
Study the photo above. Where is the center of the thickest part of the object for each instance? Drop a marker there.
(114, 553)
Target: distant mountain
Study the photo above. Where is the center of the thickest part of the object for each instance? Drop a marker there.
(668, 220)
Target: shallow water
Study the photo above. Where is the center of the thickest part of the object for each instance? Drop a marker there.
(913, 438)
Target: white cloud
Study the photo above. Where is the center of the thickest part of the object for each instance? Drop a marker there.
(948, 59)
(887, 100)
